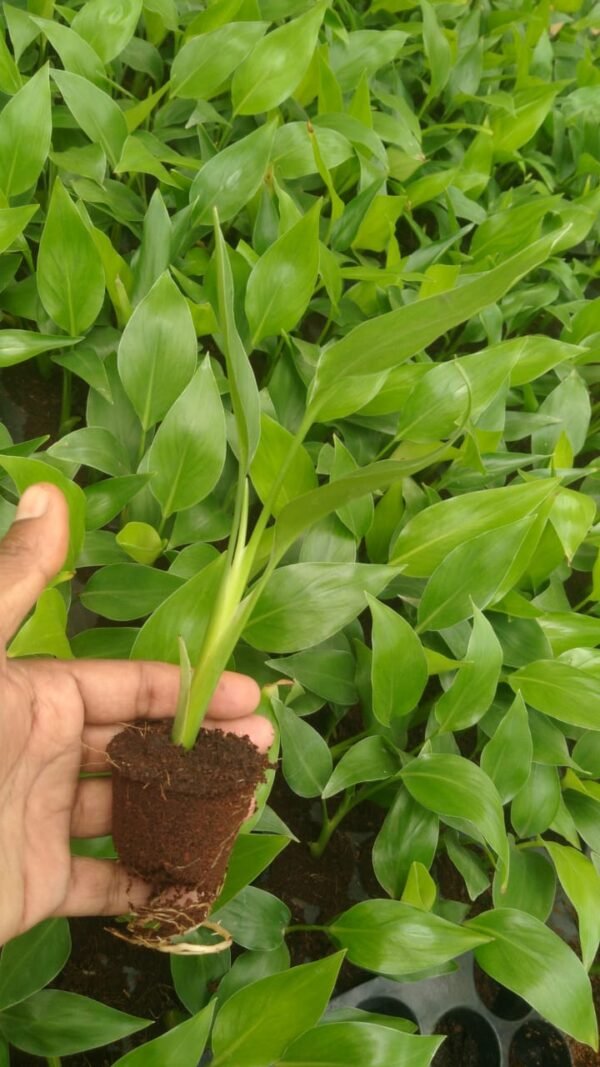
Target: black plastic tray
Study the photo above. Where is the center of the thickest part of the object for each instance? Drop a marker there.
(454, 999)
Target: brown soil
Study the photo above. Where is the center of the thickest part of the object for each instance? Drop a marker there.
(537, 1044)
(176, 815)
(315, 890)
(461, 1047)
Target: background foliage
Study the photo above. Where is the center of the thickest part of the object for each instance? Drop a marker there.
(408, 195)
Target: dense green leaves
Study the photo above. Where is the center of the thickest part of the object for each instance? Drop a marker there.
(326, 274)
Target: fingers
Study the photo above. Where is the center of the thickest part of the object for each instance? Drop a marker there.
(96, 738)
(115, 691)
(32, 552)
(101, 887)
(92, 809)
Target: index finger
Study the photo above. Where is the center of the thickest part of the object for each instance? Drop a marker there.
(125, 690)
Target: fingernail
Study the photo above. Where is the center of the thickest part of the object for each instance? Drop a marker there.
(33, 504)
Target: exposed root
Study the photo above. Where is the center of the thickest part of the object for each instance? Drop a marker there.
(151, 939)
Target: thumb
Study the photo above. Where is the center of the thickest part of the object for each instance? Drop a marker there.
(32, 553)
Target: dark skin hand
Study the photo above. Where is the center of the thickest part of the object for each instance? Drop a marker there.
(56, 719)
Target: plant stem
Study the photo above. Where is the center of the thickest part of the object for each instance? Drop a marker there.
(53, 1061)
(340, 748)
(330, 824)
(65, 400)
(350, 801)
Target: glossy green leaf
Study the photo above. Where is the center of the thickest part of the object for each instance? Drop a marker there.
(126, 591)
(409, 834)
(179, 1047)
(328, 672)
(107, 25)
(256, 920)
(531, 885)
(272, 451)
(394, 938)
(13, 221)
(364, 51)
(70, 276)
(44, 632)
(536, 804)
(100, 118)
(18, 345)
(581, 882)
(528, 958)
(251, 967)
(453, 787)
(353, 1044)
(506, 758)
(420, 890)
(206, 62)
(25, 131)
(188, 452)
(399, 668)
(474, 686)
(107, 498)
(572, 515)
(531, 105)
(437, 49)
(469, 864)
(32, 960)
(369, 760)
(260, 1021)
(76, 55)
(55, 1023)
(555, 688)
(93, 447)
(305, 603)
(242, 383)
(158, 351)
(282, 282)
(427, 539)
(230, 179)
(251, 854)
(276, 64)
(585, 813)
(307, 761)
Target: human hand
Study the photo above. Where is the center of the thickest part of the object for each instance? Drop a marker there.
(56, 719)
